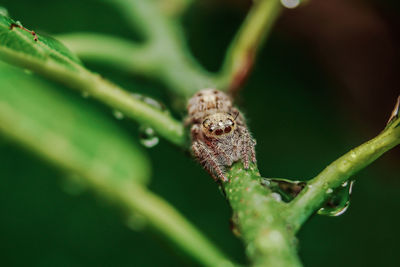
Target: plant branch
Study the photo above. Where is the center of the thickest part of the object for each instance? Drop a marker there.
(318, 190)
(179, 72)
(257, 218)
(243, 50)
(177, 68)
(174, 8)
(112, 51)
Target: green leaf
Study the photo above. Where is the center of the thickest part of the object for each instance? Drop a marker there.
(66, 130)
(44, 49)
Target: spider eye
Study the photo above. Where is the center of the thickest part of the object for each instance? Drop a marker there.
(205, 123)
(219, 132)
(227, 129)
(230, 122)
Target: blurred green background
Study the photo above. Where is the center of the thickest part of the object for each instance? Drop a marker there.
(304, 108)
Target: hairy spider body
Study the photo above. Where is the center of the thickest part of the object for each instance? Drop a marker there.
(219, 133)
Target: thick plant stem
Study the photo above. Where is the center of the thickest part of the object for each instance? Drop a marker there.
(318, 189)
(257, 217)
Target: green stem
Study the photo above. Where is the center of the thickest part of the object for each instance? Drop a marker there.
(242, 52)
(318, 189)
(174, 8)
(177, 68)
(112, 51)
(257, 217)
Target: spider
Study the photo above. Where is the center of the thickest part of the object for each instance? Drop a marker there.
(219, 133)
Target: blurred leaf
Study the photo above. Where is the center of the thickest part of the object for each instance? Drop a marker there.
(69, 134)
(21, 41)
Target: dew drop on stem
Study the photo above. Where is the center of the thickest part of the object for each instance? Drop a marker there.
(286, 189)
(118, 114)
(290, 3)
(150, 101)
(339, 202)
(148, 137)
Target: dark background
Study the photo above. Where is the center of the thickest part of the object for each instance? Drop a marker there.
(325, 81)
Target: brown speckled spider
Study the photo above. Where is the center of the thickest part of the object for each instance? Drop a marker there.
(219, 133)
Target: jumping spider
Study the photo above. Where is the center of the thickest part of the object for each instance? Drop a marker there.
(219, 133)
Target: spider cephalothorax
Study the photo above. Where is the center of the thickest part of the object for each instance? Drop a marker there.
(218, 125)
(219, 133)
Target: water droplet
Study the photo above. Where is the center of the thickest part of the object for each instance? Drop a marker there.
(339, 202)
(286, 189)
(150, 101)
(290, 3)
(148, 136)
(118, 114)
(85, 94)
(276, 196)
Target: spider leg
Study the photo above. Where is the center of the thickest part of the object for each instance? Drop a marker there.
(217, 151)
(244, 144)
(208, 161)
(253, 150)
